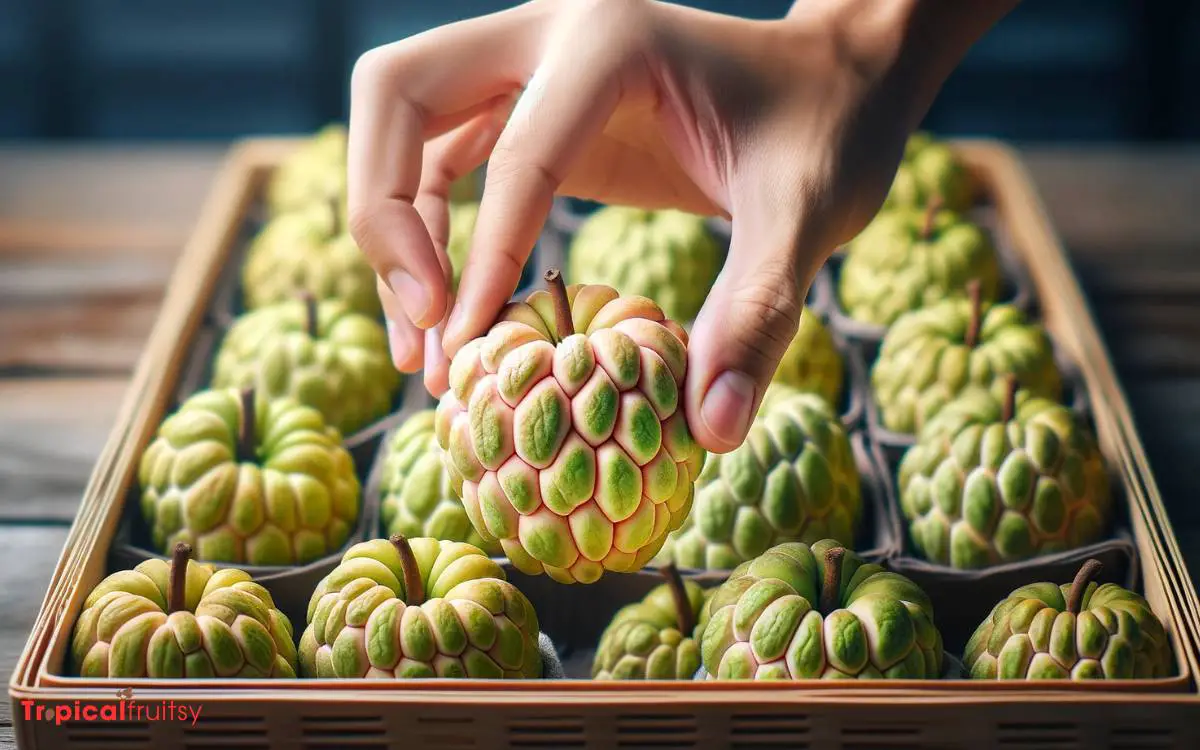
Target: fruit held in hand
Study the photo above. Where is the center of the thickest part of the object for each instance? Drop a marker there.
(998, 480)
(180, 619)
(669, 256)
(322, 354)
(315, 173)
(1079, 631)
(244, 481)
(309, 251)
(928, 170)
(793, 479)
(812, 361)
(821, 613)
(654, 638)
(565, 434)
(419, 608)
(416, 493)
(910, 258)
(931, 355)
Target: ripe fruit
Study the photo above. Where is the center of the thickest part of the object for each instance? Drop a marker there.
(929, 170)
(812, 361)
(315, 173)
(571, 448)
(462, 229)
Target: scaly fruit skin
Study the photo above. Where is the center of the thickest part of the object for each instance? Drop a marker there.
(894, 266)
(812, 361)
(669, 256)
(643, 641)
(766, 622)
(1031, 636)
(793, 479)
(345, 371)
(574, 453)
(229, 627)
(296, 502)
(417, 497)
(473, 623)
(462, 229)
(978, 491)
(924, 360)
(315, 173)
(929, 168)
(309, 251)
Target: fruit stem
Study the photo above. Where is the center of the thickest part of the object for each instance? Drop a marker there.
(414, 588)
(975, 295)
(683, 607)
(1009, 407)
(177, 577)
(931, 209)
(246, 437)
(310, 313)
(831, 586)
(562, 304)
(1085, 575)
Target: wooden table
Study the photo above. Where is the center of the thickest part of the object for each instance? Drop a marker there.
(88, 237)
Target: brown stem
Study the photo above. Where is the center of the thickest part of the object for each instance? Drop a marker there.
(414, 589)
(683, 607)
(975, 295)
(1009, 407)
(832, 584)
(310, 312)
(177, 586)
(1085, 575)
(247, 440)
(562, 304)
(931, 209)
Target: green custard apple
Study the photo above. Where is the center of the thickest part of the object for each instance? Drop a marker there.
(314, 173)
(669, 256)
(411, 608)
(309, 251)
(322, 354)
(181, 619)
(909, 258)
(247, 481)
(819, 613)
(793, 479)
(654, 639)
(994, 480)
(565, 434)
(416, 493)
(931, 355)
(1079, 631)
(929, 169)
(462, 229)
(812, 361)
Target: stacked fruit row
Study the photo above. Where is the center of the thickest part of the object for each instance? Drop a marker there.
(562, 446)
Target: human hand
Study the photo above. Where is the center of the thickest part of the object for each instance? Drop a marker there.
(792, 128)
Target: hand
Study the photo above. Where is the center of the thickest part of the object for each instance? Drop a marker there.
(792, 128)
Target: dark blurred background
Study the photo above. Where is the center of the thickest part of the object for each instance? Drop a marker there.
(1090, 70)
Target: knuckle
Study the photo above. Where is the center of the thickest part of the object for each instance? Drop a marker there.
(371, 66)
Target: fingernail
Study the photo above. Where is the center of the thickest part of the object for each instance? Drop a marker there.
(414, 298)
(433, 347)
(728, 405)
(397, 343)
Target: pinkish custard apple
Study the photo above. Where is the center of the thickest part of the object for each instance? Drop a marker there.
(181, 619)
(812, 361)
(929, 169)
(314, 174)
(416, 494)
(243, 481)
(322, 354)
(669, 256)
(565, 434)
(409, 608)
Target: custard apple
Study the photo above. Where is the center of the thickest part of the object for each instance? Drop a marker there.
(314, 173)
(812, 361)
(462, 229)
(929, 170)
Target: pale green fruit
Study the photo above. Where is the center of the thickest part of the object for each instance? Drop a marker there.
(314, 173)
(291, 498)
(417, 497)
(573, 451)
(227, 626)
(462, 229)
(444, 611)
(925, 360)
(309, 250)
(645, 640)
(929, 168)
(669, 256)
(908, 258)
(793, 479)
(980, 490)
(1041, 633)
(819, 613)
(812, 361)
(344, 371)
